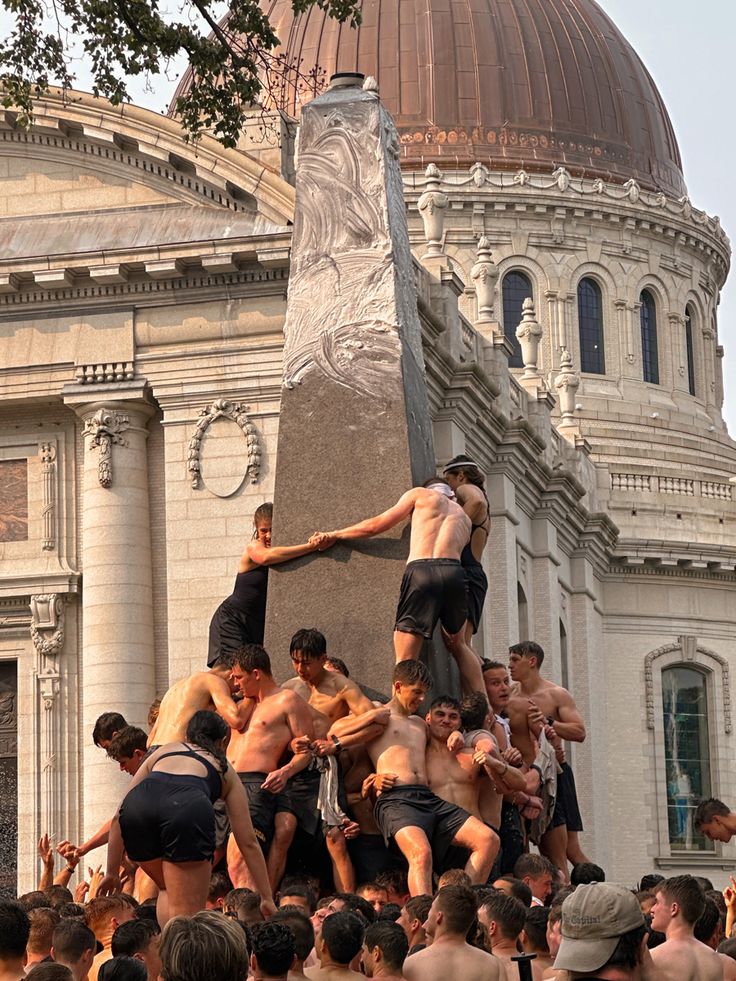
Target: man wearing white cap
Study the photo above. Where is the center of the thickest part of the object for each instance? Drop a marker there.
(604, 937)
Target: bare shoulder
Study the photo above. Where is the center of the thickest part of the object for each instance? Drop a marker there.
(419, 725)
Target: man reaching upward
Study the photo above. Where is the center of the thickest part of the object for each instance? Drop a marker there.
(433, 586)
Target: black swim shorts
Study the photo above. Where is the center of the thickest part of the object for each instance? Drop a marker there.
(415, 806)
(262, 805)
(299, 798)
(566, 810)
(432, 590)
(169, 818)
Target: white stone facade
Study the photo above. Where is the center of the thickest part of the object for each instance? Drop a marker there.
(142, 301)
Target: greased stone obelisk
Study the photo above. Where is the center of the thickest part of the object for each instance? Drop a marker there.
(354, 429)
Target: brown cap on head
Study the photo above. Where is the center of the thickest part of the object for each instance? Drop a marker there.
(594, 917)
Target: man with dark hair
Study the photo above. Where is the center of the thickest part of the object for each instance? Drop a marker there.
(278, 717)
(139, 939)
(511, 886)
(406, 809)
(220, 886)
(74, 945)
(433, 587)
(375, 894)
(296, 891)
(15, 928)
(272, 951)
(449, 955)
(211, 690)
(107, 725)
(535, 704)
(503, 918)
(715, 820)
(604, 936)
(538, 873)
(340, 941)
(413, 916)
(385, 949)
(43, 921)
(680, 903)
(127, 748)
(333, 663)
(586, 872)
(303, 932)
(534, 940)
(651, 881)
(709, 931)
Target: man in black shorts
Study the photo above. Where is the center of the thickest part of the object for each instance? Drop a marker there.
(433, 587)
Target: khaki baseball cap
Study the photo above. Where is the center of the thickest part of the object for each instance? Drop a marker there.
(593, 919)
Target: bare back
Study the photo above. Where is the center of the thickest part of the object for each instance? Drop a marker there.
(400, 749)
(442, 961)
(474, 504)
(440, 529)
(178, 706)
(687, 960)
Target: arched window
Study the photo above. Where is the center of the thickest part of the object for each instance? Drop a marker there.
(689, 351)
(523, 608)
(648, 323)
(516, 287)
(590, 323)
(687, 753)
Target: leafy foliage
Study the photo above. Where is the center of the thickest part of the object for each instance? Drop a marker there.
(230, 51)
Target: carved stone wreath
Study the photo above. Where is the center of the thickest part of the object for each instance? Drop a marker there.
(223, 408)
(47, 623)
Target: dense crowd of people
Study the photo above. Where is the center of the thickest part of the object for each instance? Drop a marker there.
(313, 828)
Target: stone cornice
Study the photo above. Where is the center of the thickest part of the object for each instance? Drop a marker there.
(669, 558)
(142, 141)
(562, 195)
(19, 586)
(197, 266)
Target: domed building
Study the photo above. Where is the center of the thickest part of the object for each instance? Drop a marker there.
(568, 294)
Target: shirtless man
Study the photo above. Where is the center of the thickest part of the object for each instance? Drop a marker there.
(331, 697)
(433, 587)
(407, 810)
(680, 902)
(278, 716)
(450, 956)
(534, 702)
(471, 777)
(210, 690)
(503, 918)
(466, 479)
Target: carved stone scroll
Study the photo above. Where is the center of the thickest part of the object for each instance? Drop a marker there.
(223, 408)
(106, 427)
(47, 623)
(48, 472)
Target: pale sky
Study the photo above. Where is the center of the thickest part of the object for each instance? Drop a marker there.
(689, 50)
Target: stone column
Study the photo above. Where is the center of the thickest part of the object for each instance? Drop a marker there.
(501, 611)
(117, 608)
(354, 429)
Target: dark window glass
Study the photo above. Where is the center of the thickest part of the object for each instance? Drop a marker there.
(648, 322)
(516, 288)
(689, 349)
(590, 321)
(687, 753)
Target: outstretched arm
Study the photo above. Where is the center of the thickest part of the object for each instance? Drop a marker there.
(381, 522)
(258, 553)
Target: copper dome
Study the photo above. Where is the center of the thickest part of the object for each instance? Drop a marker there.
(504, 82)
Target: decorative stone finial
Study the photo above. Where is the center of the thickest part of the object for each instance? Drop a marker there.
(484, 275)
(431, 205)
(566, 385)
(529, 334)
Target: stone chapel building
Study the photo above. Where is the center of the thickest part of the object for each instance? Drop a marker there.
(568, 293)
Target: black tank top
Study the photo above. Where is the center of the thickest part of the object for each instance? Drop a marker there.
(466, 557)
(211, 784)
(249, 591)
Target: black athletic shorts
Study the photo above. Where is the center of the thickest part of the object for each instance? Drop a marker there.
(262, 805)
(415, 806)
(299, 798)
(566, 809)
(165, 816)
(432, 590)
(476, 587)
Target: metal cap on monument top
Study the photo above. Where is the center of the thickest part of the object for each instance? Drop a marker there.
(354, 428)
